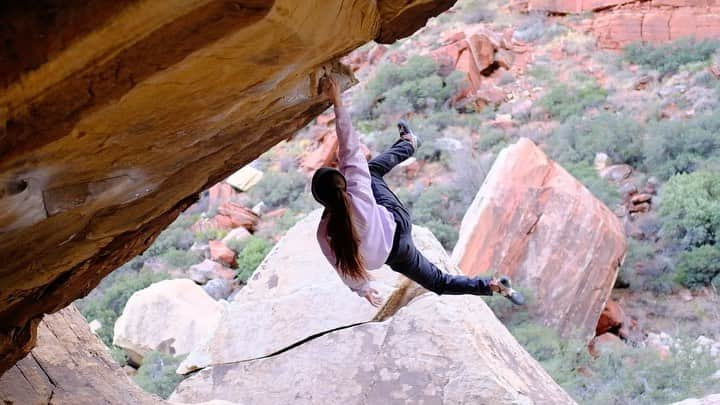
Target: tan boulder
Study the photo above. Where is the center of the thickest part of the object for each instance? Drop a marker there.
(208, 270)
(245, 178)
(117, 115)
(437, 349)
(606, 341)
(221, 253)
(69, 365)
(237, 234)
(171, 316)
(532, 221)
(295, 293)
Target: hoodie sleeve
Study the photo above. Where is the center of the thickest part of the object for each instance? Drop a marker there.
(352, 162)
(360, 287)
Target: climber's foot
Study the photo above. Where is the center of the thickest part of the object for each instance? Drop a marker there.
(407, 134)
(508, 292)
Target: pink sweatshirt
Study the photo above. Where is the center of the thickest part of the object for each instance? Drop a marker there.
(374, 224)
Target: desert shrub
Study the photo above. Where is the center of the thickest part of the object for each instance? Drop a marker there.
(639, 376)
(251, 255)
(210, 234)
(690, 209)
(177, 236)
(278, 189)
(699, 266)
(493, 140)
(535, 27)
(674, 146)
(579, 139)
(477, 11)
(637, 252)
(114, 292)
(157, 374)
(668, 58)
(397, 89)
(599, 187)
(181, 259)
(564, 101)
(440, 208)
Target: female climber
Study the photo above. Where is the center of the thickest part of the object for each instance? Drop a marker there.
(364, 225)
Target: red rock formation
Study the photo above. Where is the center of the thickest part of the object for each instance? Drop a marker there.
(239, 215)
(115, 115)
(625, 21)
(534, 222)
(611, 318)
(478, 54)
(221, 253)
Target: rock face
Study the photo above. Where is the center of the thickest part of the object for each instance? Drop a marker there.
(708, 400)
(437, 350)
(115, 115)
(620, 22)
(69, 365)
(531, 220)
(171, 316)
(295, 294)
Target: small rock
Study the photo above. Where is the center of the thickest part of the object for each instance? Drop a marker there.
(218, 288)
(641, 198)
(95, 325)
(259, 208)
(616, 172)
(221, 253)
(627, 189)
(642, 207)
(202, 249)
(236, 234)
(602, 161)
(208, 270)
(685, 294)
(643, 82)
(604, 342)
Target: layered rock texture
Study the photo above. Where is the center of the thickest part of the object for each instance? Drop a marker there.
(436, 350)
(115, 115)
(293, 295)
(531, 220)
(171, 316)
(620, 22)
(69, 365)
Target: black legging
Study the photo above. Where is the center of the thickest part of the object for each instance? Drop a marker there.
(404, 257)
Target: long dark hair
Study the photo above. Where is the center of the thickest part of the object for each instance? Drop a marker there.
(329, 188)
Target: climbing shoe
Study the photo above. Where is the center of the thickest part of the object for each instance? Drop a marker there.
(407, 134)
(508, 292)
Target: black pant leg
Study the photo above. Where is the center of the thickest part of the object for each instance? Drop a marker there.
(384, 162)
(408, 260)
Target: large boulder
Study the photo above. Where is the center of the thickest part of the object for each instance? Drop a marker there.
(436, 350)
(171, 316)
(115, 115)
(69, 365)
(533, 221)
(713, 399)
(294, 294)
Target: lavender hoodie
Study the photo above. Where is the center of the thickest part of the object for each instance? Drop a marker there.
(373, 223)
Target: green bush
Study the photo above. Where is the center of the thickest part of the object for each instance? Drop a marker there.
(114, 292)
(177, 236)
(674, 146)
(181, 259)
(690, 209)
(564, 101)
(599, 187)
(637, 252)
(278, 189)
(210, 234)
(397, 89)
(251, 255)
(157, 374)
(699, 266)
(668, 58)
(579, 139)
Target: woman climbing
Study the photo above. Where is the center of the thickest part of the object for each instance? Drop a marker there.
(364, 224)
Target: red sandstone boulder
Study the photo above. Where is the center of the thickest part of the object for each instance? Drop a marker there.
(611, 318)
(534, 222)
(219, 194)
(221, 253)
(239, 215)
